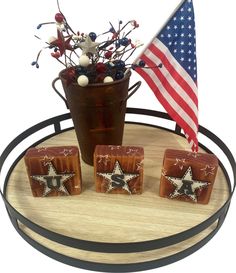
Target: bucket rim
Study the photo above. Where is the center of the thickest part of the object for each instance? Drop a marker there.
(126, 77)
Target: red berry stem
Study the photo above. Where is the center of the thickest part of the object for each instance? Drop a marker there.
(125, 26)
(60, 62)
(70, 58)
(66, 23)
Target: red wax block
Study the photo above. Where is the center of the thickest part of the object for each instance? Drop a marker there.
(188, 176)
(118, 169)
(54, 171)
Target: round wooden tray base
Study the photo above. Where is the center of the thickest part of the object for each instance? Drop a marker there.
(116, 218)
(118, 258)
(108, 232)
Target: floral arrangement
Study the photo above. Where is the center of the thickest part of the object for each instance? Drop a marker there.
(92, 57)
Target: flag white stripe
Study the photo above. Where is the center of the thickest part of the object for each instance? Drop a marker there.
(179, 90)
(177, 108)
(175, 64)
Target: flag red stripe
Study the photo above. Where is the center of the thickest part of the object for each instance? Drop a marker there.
(179, 100)
(175, 86)
(174, 115)
(156, 51)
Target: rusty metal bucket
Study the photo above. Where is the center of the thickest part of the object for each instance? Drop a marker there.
(98, 111)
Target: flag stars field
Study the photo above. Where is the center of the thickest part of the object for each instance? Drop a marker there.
(175, 84)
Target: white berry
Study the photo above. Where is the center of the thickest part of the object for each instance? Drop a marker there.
(51, 39)
(83, 80)
(107, 79)
(75, 37)
(84, 60)
(60, 26)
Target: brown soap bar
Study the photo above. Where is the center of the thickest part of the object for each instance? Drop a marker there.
(188, 176)
(54, 171)
(118, 169)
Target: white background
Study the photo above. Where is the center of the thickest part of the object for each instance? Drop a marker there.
(26, 97)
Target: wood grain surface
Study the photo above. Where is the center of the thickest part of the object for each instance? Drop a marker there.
(116, 218)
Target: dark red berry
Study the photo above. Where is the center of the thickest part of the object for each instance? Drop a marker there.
(108, 54)
(59, 18)
(70, 73)
(100, 78)
(101, 68)
(56, 54)
(115, 35)
(136, 25)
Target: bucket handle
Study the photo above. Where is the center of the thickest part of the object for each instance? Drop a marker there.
(58, 93)
(133, 89)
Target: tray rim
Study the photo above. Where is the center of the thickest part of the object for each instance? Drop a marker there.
(116, 247)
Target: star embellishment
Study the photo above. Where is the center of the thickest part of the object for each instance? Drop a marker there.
(66, 152)
(163, 172)
(42, 149)
(61, 43)
(114, 147)
(88, 46)
(139, 165)
(104, 159)
(186, 185)
(132, 151)
(208, 170)
(117, 179)
(46, 160)
(52, 180)
(180, 163)
(194, 155)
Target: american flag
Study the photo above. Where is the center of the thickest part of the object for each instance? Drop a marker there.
(175, 84)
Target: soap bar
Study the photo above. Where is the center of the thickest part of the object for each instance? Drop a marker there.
(118, 169)
(188, 176)
(54, 171)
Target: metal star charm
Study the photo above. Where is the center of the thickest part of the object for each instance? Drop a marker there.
(118, 179)
(88, 46)
(61, 43)
(186, 185)
(52, 180)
